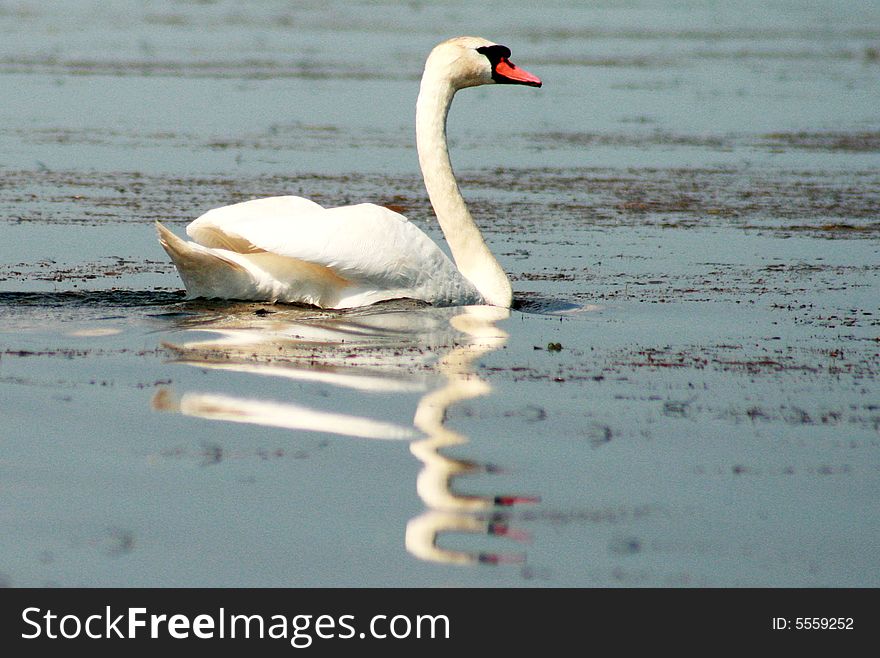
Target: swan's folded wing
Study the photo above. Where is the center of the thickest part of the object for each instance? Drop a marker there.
(362, 243)
(225, 227)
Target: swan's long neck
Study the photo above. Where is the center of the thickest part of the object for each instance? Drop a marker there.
(472, 256)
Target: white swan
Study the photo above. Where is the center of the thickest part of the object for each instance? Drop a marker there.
(290, 249)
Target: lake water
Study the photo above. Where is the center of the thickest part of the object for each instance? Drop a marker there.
(685, 393)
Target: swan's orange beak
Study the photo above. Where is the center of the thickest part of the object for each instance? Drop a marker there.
(507, 71)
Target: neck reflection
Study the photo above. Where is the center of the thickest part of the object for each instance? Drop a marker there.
(448, 510)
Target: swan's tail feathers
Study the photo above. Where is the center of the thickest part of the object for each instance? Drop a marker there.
(201, 269)
(187, 255)
(170, 242)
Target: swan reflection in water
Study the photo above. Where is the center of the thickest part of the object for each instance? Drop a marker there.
(389, 348)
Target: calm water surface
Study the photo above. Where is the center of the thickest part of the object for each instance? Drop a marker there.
(685, 393)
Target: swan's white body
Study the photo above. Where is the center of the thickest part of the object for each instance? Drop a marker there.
(290, 249)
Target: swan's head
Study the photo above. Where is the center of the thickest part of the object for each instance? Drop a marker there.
(471, 61)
